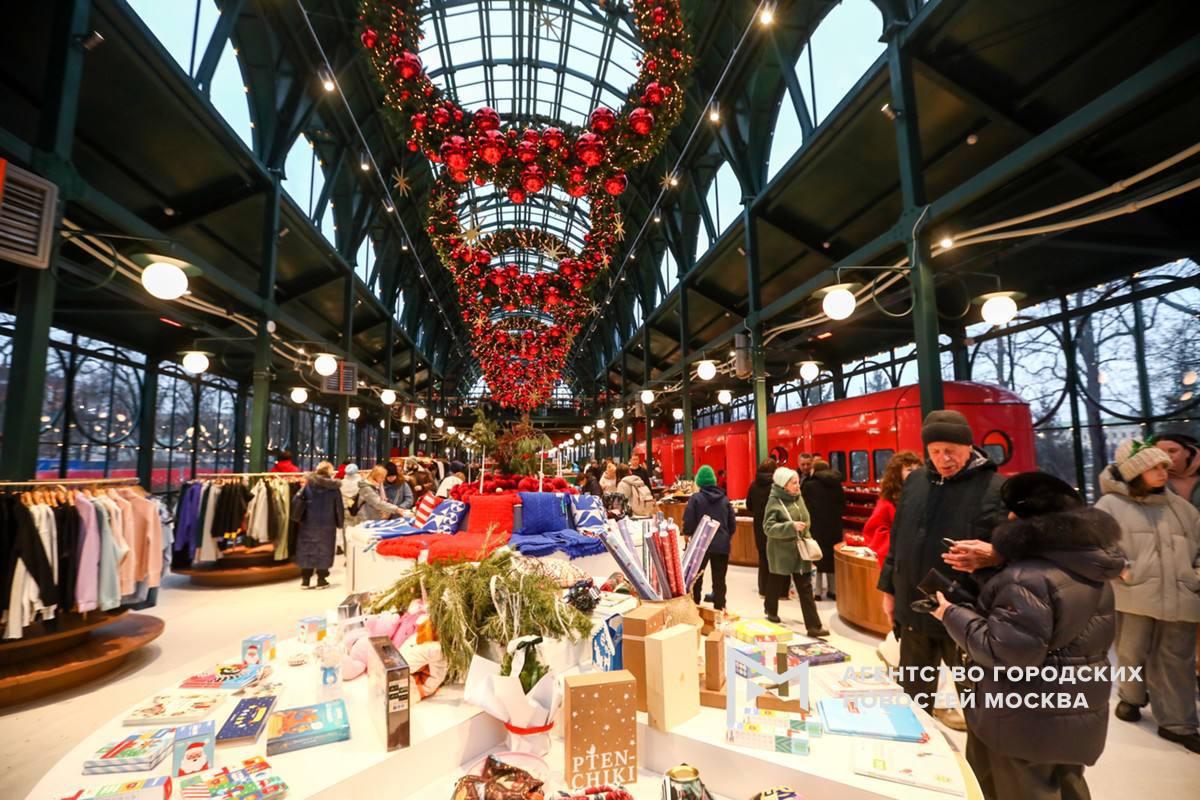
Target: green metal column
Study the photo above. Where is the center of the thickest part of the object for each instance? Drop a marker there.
(625, 421)
(260, 409)
(412, 391)
(912, 186)
(757, 356)
(386, 438)
(686, 382)
(959, 357)
(839, 381)
(241, 402)
(147, 423)
(343, 424)
(650, 407)
(1081, 481)
(34, 306)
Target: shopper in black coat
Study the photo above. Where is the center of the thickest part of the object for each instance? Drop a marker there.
(711, 501)
(757, 496)
(1050, 606)
(321, 512)
(826, 501)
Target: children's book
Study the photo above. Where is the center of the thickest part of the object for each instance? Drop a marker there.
(134, 753)
(862, 683)
(307, 726)
(174, 708)
(158, 788)
(253, 780)
(225, 676)
(814, 653)
(868, 717)
(246, 721)
(911, 764)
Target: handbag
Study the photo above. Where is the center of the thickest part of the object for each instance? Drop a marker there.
(808, 547)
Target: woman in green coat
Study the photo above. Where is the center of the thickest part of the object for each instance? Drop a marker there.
(784, 522)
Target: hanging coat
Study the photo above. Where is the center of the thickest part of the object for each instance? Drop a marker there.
(319, 506)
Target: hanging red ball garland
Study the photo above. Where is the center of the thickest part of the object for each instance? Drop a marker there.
(522, 355)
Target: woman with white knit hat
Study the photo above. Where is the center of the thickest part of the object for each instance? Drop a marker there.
(1158, 595)
(785, 520)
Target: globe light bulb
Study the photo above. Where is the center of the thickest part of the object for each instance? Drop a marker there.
(587, 429)
(600, 423)
(451, 430)
(677, 413)
(387, 397)
(164, 280)
(647, 396)
(406, 430)
(578, 436)
(618, 413)
(325, 364)
(420, 413)
(724, 397)
(612, 436)
(299, 395)
(439, 423)
(999, 309)
(706, 370)
(809, 370)
(353, 412)
(422, 437)
(629, 430)
(195, 362)
(839, 303)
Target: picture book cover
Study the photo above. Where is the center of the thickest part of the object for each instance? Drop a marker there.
(246, 721)
(225, 676)
(258, 649)
(195, 748)
(856, 717)
(134, 753)
(914, 765)
(158, 788)
(253, 780)
(175, 708)
(814, 653)
(307, 726)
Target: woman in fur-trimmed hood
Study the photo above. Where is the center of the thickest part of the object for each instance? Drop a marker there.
(1051, 605)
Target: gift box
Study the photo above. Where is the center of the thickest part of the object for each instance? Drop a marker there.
(195, 748)
(672, 681)
(258, 649)
(388, 687)
(759, 630)
(312, 630)
(600, 736)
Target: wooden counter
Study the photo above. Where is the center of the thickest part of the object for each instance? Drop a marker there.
(743, 551)
(858, 601)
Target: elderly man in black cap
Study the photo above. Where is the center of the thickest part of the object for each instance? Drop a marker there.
(955, 496)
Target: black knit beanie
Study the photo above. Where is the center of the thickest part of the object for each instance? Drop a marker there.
(1031, 494)
(946, 426)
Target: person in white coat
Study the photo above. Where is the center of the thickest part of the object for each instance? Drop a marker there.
(1158, 594)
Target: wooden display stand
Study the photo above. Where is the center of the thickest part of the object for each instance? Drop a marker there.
(81, 650)
(243, 568)
(858, 601)
(674, 512)
(742, 549)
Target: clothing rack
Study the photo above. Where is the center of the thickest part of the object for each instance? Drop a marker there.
(50, 482)
(284, 475)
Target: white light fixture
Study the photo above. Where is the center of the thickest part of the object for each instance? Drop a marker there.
(406, 430)
(451, 430)
(439, 423)
(839, 302)
(165, 279)
(724, 397)
(600, 423)
(946, 242)
(325, 364)
(195, 362)
(387, 397)
(647, 396)
(677, 413)
(1189, 378)
(363, 162)
(353, 412)
(629, 430)
(706, 370)
(809, 370)
(420, 413)
(612, 437)
(422, 437)
(578, 436)
(299, 395)
(999, 308)
(327, 79)
(587, 429)
(714, 113)
(767, 15)
(382, 424)
(619, 413)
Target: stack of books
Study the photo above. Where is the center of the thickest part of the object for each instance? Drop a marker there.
(134, 753)
(253, 780)
(225, 676)
(868, 717)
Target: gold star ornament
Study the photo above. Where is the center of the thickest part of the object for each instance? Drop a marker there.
(400, 181)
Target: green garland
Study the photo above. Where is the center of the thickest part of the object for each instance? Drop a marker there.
(464, 615)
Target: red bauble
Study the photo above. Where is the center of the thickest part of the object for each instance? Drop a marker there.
(459, 176)
(576, 189)
(454, 152)
(659, 15)
(516, 194)
(527, 152)
(533, 178)
(641, 121)
(407, 64)
(413, 147)
(491, 145)
(487, 119)
(553, 138)
(590, 149)
(369, 38)
(653, 95)
(419, 122)
(441, 116)
(603, 120)
(615, 184)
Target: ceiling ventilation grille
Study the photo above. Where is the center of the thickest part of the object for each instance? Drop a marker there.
(344, 381)
(27, 204)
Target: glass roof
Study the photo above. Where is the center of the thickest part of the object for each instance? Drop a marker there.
(551, 210)
(531, 60)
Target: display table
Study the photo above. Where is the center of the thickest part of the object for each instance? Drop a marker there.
(858, 601)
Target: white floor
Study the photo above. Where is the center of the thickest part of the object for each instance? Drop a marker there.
(198, 620)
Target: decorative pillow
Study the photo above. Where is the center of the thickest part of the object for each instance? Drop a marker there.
(446, 517)
(588, 512)
(429, 501)
(542, 512)
(488, 510)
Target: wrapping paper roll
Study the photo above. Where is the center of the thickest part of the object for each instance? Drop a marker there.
(705, 531)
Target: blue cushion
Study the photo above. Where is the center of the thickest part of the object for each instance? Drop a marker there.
(446, 517)
(542, 512)
(589, 512)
